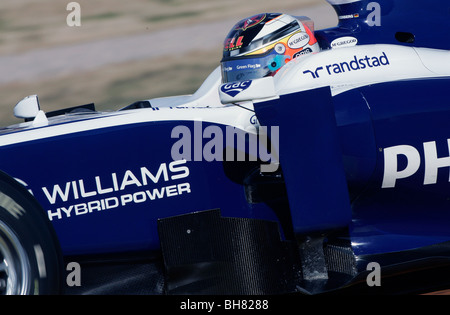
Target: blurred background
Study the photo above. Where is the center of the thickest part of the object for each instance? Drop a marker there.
(124, 51)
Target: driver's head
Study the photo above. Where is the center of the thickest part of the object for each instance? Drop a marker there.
(260, 45)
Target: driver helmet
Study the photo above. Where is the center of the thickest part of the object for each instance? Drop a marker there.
(260, 45)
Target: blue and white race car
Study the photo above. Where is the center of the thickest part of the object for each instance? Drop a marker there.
(300, 181)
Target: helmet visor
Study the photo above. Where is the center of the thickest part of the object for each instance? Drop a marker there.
(250, 68)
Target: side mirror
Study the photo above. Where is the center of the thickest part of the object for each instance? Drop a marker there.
(28, 108)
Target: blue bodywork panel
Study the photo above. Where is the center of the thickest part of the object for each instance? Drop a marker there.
(371, 161)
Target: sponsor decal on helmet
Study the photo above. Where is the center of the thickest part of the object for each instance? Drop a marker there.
(250, 22)
(234, 88)
(426, 155)
(233, 43)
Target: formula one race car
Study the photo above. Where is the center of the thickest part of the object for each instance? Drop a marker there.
(310, 180)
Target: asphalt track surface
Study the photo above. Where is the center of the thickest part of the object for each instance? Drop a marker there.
(72, 59)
